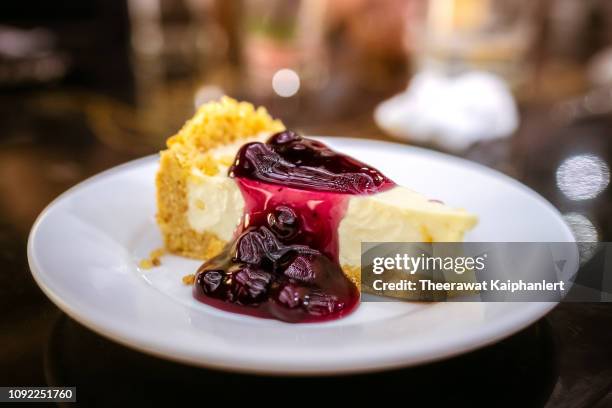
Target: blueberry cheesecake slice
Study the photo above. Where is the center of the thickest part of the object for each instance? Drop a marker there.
(279, 218)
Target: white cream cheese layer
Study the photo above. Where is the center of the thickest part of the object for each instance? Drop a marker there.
(215, 203)
(398, 215)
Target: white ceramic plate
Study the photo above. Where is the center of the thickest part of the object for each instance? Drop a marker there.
(85, 247)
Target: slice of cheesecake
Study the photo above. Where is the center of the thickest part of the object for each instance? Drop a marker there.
(200, 206)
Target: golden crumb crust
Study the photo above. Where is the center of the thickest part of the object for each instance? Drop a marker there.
(215, 124)
(179, 238)
(353, 273)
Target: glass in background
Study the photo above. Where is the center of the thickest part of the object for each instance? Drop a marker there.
(576, 73)
(452, 36)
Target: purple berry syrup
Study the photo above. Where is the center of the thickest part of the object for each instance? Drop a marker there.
(283, 263)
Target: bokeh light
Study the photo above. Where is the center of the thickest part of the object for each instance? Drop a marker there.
(286, 82)
(583, 177)
(585, 233)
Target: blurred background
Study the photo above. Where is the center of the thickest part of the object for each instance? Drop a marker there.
(523, 86)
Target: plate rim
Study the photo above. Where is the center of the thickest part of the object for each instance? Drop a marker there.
(511, 325)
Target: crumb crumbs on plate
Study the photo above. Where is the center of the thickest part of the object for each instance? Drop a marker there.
(189, 279)
(153, 260)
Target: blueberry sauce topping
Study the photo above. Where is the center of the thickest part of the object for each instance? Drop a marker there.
(294, 161)
(283, 262)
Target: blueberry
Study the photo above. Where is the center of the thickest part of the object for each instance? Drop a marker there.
(286, 303)
(302, 269)
(284, 137)
(249, 248)
(250, 285)
(213, 283)
(291, 296)
(283, 221)
(318, 303)
(210, 281)
(293, 302)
